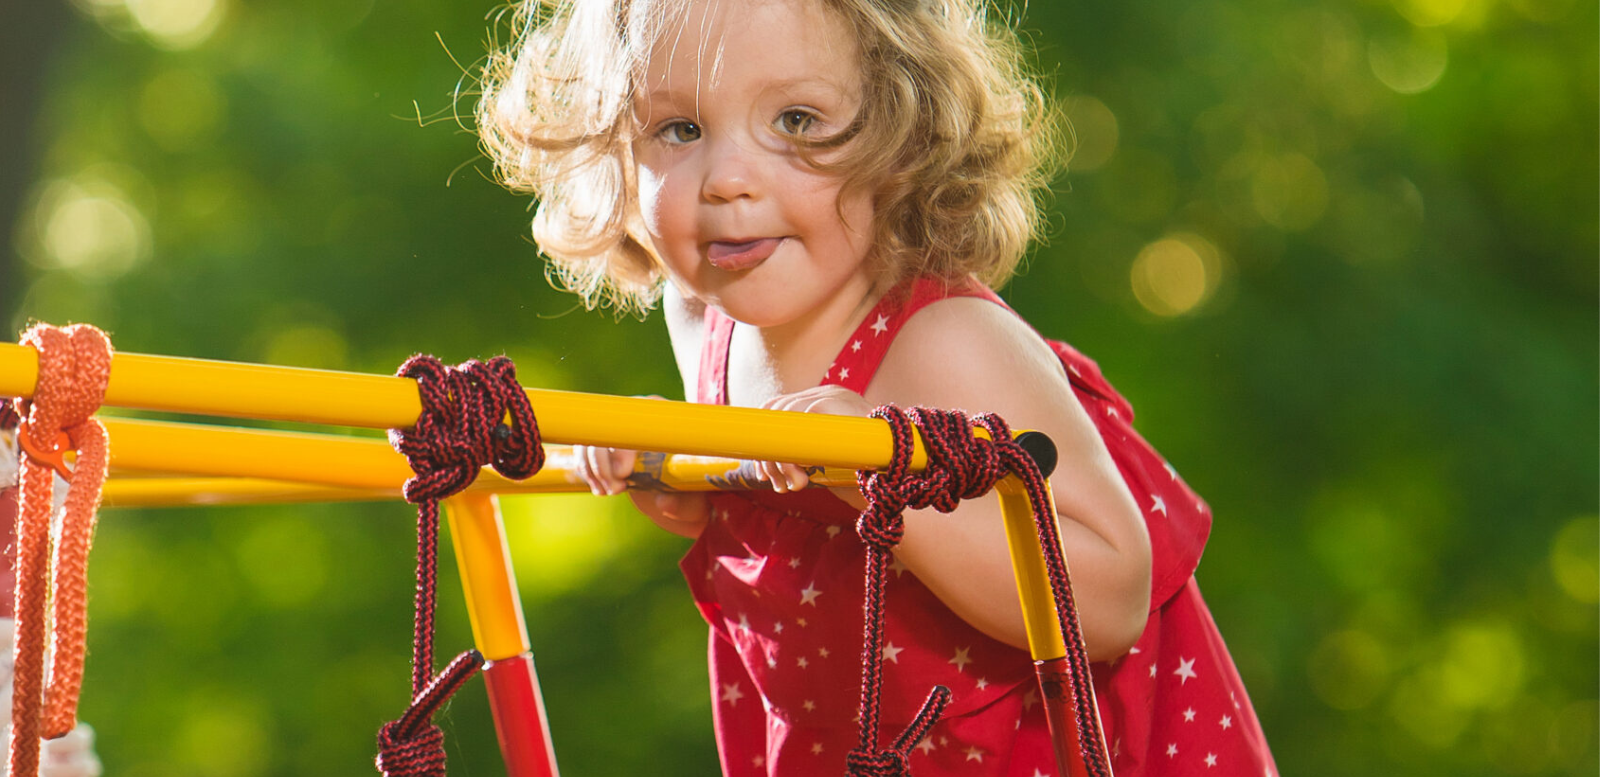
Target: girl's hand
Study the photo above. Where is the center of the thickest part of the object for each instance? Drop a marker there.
(606, 470)
(829, 400)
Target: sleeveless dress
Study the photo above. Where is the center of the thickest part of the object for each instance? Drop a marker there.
(778, 577)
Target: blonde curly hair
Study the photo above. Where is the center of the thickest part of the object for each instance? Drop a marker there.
(954, 141)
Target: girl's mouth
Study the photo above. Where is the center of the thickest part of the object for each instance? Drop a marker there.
(733, 257)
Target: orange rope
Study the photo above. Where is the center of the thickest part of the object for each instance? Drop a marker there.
(74, 367)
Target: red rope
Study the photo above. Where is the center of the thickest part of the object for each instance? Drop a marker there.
(960, 466)
(74, 367)
(459, 431)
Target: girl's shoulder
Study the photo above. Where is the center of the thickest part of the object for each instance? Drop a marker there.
(970, 352)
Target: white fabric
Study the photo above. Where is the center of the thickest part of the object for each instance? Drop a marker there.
(70, 756)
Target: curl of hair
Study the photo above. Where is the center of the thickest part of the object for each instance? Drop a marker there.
(954, 142)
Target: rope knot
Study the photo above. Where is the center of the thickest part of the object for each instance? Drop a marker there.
(884, 763)
(461, 427)
(52, 563)
(419, 755)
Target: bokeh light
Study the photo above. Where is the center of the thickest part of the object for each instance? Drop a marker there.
(181, 106)
(1349, 669)
(1174, 275)
(1094, 130)
(1575, 559)
(88, 225)
(1289, 191)
(1409, 63)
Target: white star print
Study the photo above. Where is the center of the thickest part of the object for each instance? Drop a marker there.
(802, 622)
(896, 567)
(1185, 670)
(777, 628)
(855, 346)
(844, 373)
(892, 653)
(1211, 759)
(816, 748)
(1171, 473)
(809, 705)
(1160, 506)
(1152, 670)
(1037, 773)
(1111, 411)
(809, 594)
(1172, 750)
(962, 659)
(802, 662)
(1030, 698)
(757, 761)
(744, 623)
(731, 694)
(1188, 715)
(1133, 651)
(833, 531)
(880, 326)
(772, 663)
(974, 754)
(1226, 722)
(982, 683)
(794, 563)
(822, 652)
(925, 745)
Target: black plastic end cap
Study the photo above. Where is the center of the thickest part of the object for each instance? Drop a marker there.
(1041, 448)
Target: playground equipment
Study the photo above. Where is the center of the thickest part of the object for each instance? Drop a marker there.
(697, 447)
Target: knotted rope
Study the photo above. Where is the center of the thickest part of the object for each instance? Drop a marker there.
(74, 367)
(960, 466)
(459, 431)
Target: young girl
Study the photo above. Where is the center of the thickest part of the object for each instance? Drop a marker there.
(819, 194)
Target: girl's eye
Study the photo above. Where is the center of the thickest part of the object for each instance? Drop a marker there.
(681, 132)
(795, 122)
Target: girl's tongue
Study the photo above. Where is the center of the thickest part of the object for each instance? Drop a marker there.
(741, 256)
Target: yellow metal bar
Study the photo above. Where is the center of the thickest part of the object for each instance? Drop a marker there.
(224, 465)
(479, 537)
(236, 389)
(1027, 564)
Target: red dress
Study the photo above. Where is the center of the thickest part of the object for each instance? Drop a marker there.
(779, 580)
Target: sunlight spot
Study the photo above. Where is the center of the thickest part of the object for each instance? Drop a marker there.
(1349, 669)
(1409, 64)
(88, 226)
(180, 106)
(1094, 128)
(1430, 13)
(1482, 665)
(1290, 192)
(559, 542)
(1173, 275)
(177, 24)
(1574, 560)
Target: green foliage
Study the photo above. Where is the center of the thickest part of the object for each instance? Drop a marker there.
(1341, 256)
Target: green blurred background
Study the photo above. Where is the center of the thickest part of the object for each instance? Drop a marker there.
(1341, 256)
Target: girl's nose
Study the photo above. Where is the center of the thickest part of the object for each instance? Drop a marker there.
(731, 172)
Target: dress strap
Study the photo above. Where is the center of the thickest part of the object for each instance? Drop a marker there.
(713, 380)
(863, 353)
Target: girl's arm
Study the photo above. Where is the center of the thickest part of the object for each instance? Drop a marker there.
(976, 356)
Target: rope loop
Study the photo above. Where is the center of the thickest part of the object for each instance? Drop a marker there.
(960, 466)
(461, 428)
(412, 746)
(52, 564)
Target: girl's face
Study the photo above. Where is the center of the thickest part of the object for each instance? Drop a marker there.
(739, 220)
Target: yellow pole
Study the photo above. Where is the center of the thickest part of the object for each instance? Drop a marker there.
(234, 389)
(484, 558)
(231, 465)
(1027, 565)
